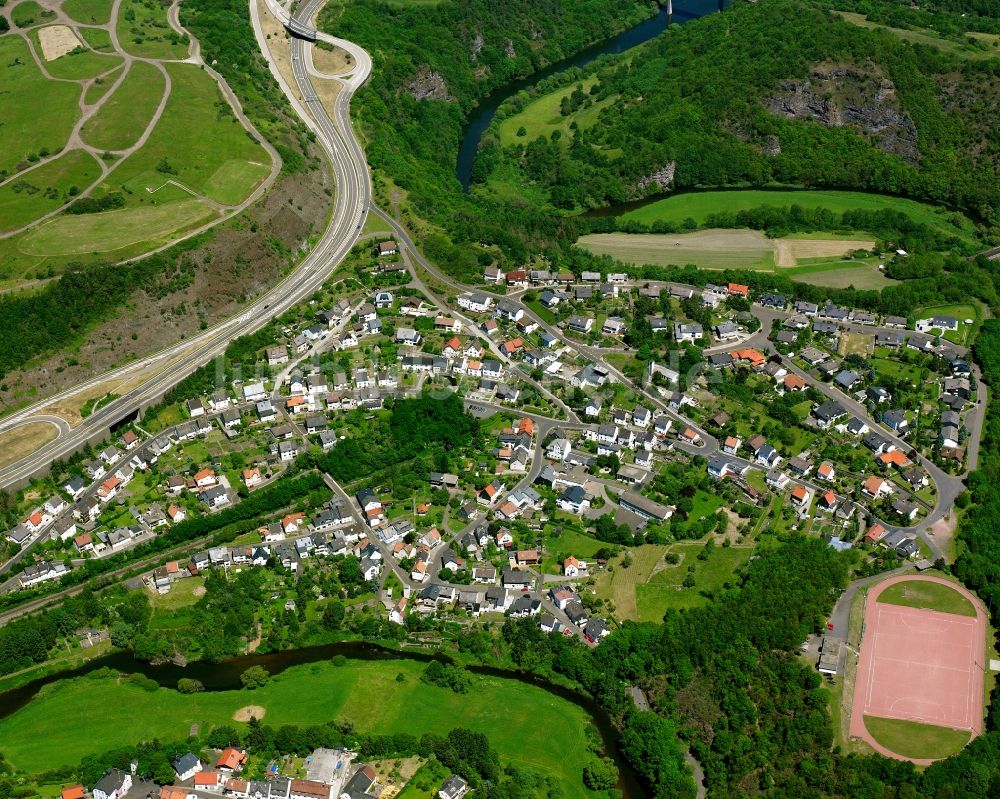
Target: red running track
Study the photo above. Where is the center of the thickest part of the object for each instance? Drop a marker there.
(920, 665)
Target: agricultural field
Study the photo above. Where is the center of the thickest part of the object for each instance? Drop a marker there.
(370, 695)
(698, 205)
(728, 249)
(985, 45)
(861, 273)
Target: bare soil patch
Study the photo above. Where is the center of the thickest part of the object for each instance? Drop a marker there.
(818, 248)
(278, 43)
(249, 711)
(332, 62)
(57, 40)
(23, 440)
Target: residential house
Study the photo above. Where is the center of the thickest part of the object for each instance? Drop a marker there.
(113, 785)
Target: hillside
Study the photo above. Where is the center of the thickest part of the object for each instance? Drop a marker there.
(771, 92)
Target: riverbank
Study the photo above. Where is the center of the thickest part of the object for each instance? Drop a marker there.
(306, 688)
(648, 29)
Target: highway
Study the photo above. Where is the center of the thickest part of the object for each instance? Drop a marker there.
(336, 137)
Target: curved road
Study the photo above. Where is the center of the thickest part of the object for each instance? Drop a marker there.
(335, 136)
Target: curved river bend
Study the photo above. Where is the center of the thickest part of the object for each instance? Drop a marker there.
(684, 11)
(225, 676)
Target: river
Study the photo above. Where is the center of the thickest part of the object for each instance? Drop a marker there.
(684, 11)
(225, 676)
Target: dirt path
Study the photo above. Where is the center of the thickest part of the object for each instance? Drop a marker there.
(783, 254)
(75, 140)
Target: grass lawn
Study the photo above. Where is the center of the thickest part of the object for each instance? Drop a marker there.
(95, 12)
(911, 739)
(705, 504)
(541, 116)
(665, 589)
(46, 188)
(425, 783)
(26, 14)
(143, 30)
(36, 114)
(572, 542)
(46, 733)
(961, 311)
(620, 585)
(646, 589)
(933, 596)
(196, 136)
(840, 274)
(81, 64)
(98, 39)
(895, 369)
(932, 38)
(100, 86)
(855, 343)
(23, 440)
(698, 205)
(125, 115)
(182, 594)
(114, 230)
(544, 313)
(235, 179)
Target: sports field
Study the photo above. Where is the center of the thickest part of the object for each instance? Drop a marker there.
(539, 729)
(927, 595)
(916, 741)
(698, 205)
(919, 664)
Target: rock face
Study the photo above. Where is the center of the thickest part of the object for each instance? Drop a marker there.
(428, 84)
(661, 178)
(477, 45)
(508, 49)
(845, 95)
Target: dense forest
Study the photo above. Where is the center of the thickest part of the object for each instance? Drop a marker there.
(775, 92)
(417, 426)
